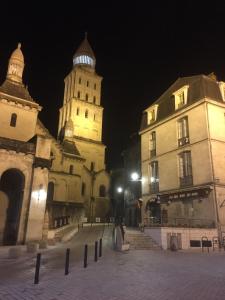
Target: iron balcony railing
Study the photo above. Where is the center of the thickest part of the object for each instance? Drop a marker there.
(154, 187)
(186, 181)
(178, 222)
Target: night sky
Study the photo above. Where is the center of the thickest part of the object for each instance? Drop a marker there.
(140, 50)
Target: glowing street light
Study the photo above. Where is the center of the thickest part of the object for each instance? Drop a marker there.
(134, 176)
(119, 189)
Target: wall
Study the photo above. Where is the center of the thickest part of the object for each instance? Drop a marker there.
(187, 234)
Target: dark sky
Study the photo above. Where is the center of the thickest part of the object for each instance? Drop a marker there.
(140, 49)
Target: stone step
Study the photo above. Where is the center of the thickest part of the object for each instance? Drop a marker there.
(140, 241)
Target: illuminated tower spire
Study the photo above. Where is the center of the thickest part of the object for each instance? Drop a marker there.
(16, 65)
(84, 55)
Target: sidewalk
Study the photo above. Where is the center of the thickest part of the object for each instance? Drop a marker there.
(134, 275)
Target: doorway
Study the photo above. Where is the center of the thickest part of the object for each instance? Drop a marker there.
(11, 198)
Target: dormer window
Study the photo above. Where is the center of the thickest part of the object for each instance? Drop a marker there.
(181, 97)
(152, 114)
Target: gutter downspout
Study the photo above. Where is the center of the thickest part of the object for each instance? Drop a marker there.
(213, 176)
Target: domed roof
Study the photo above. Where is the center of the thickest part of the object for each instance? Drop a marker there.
(16, 65)
(17, 54)
(84, 54)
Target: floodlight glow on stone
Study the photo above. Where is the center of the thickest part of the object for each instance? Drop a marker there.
(119, 189)
(134, 176)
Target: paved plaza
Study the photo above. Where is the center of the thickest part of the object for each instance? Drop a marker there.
(137, 274)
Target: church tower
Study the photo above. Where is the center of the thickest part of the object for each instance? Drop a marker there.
(82, 108)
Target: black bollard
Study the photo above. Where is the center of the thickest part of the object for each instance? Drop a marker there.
(96, 250)
(85, 255)
(100, 248)
(67, 261)
(37, 268)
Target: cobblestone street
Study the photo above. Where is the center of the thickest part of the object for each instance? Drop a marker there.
(138, 274)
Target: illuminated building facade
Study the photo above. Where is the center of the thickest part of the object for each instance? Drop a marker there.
(47, 183)
(182, 154)
(24, 160)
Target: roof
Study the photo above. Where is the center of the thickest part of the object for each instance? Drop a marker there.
(200, 86)
(15, 89)
(70, 148)
(85, 49)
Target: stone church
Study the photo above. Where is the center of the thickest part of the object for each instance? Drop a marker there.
(49, 184)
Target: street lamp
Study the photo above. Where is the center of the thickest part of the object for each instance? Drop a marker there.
(119, 189)
(134, 176)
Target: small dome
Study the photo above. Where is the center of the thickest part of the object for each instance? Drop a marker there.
(16, 65)
(17, 54)
(84, 54)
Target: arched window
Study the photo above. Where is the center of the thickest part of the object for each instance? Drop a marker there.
(78, 111)
(78, 94)
(80, 80)
(83, 188)
(86, 97)
(13, 120)
(92, 166)
(95, 86)
(102, 191)
(86, 113)
(94, 117)
(94, 100)
(87, 83)
(71, 169)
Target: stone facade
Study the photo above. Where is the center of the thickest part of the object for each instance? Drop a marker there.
(182, 145)
(25, 160)
(47, 183)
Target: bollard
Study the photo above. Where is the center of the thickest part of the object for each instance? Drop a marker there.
(37, 268)
(85, 255)
(67, 261)
(96, 250)
(100, 248)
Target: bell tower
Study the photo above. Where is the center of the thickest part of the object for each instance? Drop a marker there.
(82, 106)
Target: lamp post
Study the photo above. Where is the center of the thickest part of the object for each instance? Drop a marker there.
(120, 191)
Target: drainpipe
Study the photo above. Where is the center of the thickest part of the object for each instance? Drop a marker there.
(213, 176)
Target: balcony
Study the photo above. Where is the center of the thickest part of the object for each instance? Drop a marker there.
(183, 141)
(186, 181)
(154, 187)
(152, 153)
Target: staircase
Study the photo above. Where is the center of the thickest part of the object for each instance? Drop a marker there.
(140, 241)
(65, 233)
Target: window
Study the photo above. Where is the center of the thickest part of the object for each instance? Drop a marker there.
(71, 169)
(183, 132)
(102, 191)
(86, 97)
(152, 144)
(94, 99)
(80, 80)
(13, 120)
(87, 83)
(83, 189)
(78, 94)
(95, 86)
(152, 113)
(154, 179)
(78, 111)
(180, 97)
(92, 166)
(185, 168)
(86, 113)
